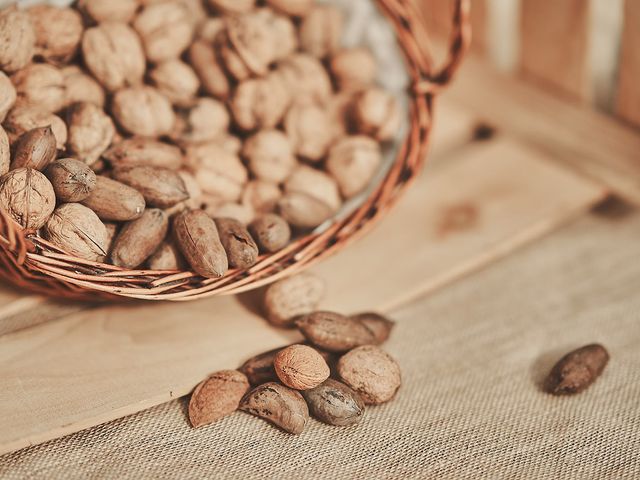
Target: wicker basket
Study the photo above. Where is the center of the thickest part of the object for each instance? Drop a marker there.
(32, 263)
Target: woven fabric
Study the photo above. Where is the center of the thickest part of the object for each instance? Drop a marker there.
(472, 355)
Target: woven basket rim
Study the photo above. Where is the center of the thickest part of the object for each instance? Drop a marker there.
(32, 263)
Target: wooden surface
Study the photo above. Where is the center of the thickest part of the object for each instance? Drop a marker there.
(628, 99)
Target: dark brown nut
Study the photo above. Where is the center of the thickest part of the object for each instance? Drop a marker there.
(216, 397)
(249, 39)
(309, 130)
(577, 370)
(295, 8)
(197, 237)
(72, 179)
(353, 69)
(242, 251)
(166, 29)
(377, 113)
(139, 238)
(5, 152)
(353, 161)
(316, 184)
(27, 196)
(17, 39)
(334, 332)
(167, 257)
(259, 369)
(260, 103)
(379, 326)
(334, 403)
(111, 11)
(219, 173)
(160, 187)
(90, 132)
(80, 87)
(261, 196)
(279, 405)
(287, 299)
(232, 6)
(35, 149)
(21, 119)
(321, 31)
(41, 85)
(304, 211)
(271, 232)
(269, 155)
(177, 81)
(140, 151)
(78, 231)
(115, 201)
(205, 121)
(371, 372)
(143, 111)
(58, 32)
(305, 78)
(113, 54)
(300, 367)
(8, 95)
(206, 64)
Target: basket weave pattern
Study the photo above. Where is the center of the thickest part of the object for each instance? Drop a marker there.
(32, 263)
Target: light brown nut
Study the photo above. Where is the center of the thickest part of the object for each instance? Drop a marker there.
(232, 6)
(113, 10)
(196, 11)
(371, 372)
(353, 69)
(80, 87)
(260, 103)
(21, 119)
(304, 211)
(259, 368)
(41, 85)
(90, 132)
(379, 325)
(242, 251)
(321, 31)
(197, 237)
(115, 201)
(283, 30)
(140, 151)
(27, 196)
(206, 64)
(236, 211)
(78, 231)
(113, 54)
(175, 80)
(577, 370)
(287, 299)
(209, 29)
(300, 367)
(34, 149)
(17, 39)
(139, 238)
(304, 77)
(269, 155)
(218, 172)
(279, 405)
(377, 113)
(334, 403)
(58, 32)
(316, 184)
(160, 187)
(167, 257)
(271, 232)
(8, 95)
(353, 161)
(205, 121)
(72, 179)
(309, 129)
(166, 29)
(261, 196)
(5, 152)
(250, 37)
(143, 111)
(338, 109)
(216, 397)
(295, 8)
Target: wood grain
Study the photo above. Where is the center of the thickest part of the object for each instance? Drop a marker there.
(628, 99)
(96, 366)
(554, 45)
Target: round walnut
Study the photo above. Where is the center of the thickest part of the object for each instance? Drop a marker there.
(232, 6)
(261, 196)
(295, 8)
(210, 28)
(321, 30)
(21, 119)
(111, 11)
(28, 197)
(300, 367)
(205, 121)
(7, 95)
(17, 39)
(338, 109)
(260, 102)
(316, 184)
(206, 64)
(58, 32)
(143, 111)
(284, 32)
(353, 161)
(176, 80)
(269, 155)
(90, 132)
(305, 78)
(353, 68)
(309, 129)
(113, 54)
(218, 172)
(80, 87)
(72, 179)
(41, 85)
(166, 29)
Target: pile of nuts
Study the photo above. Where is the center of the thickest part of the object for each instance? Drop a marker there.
(287, 385)
(174, 134)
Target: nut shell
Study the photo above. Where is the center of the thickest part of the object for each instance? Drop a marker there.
(35, 149)
(353, 161)
(41, 85)
(28, 197)
(175, 80)
(139, 238)
(17, 39)
(72, 179)
(113, 10)
(160, 187)
(21, 119)
(78, 231)
(271, 232)
(58, 32)
(279, 405)
(81, 87)
(577, 370)
(140, 151)
(242, 251)
(216, 397)
(353, 69)
(90, 132)
(115, 201)
(336, 333)
(334, 403)
(291, 297)
(321, 30)
(270, 155)
(143, 111)
(300, 367)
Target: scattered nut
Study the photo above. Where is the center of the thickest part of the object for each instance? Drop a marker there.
(577, 370)
(334, 403)
(279, 405)
(287, 299)
(216, 397)
(300, 367)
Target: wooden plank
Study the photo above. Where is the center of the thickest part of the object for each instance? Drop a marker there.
(628, 99)
(96, 366)
(554, 45)
(590, 142)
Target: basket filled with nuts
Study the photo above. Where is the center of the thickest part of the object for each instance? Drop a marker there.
(176, 149)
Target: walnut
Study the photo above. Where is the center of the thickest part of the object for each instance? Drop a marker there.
(166, 29)
(90, 132)
(309, 129)
(300, 367)
(42, 85)
(143, 111)
(260, 103)
(261, 196)
(211, 28)
(111, 11)
(17, 39)
(113, 54)
(353, 161)
(21, 119)
(58, 32)
(353, 68)
(218, 172)
(321, 30)
(177, 81)
(80, 87)
(316, 184)
(7, 96)
(269, 155)
(28, 197)
(305, 78)
(377, 113)
(283, 30)
(207, 120)
(295, 8)
(206, 64)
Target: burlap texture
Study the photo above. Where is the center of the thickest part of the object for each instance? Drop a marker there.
(472, 356)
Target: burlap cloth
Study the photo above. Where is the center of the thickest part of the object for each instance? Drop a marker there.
(470, 407)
